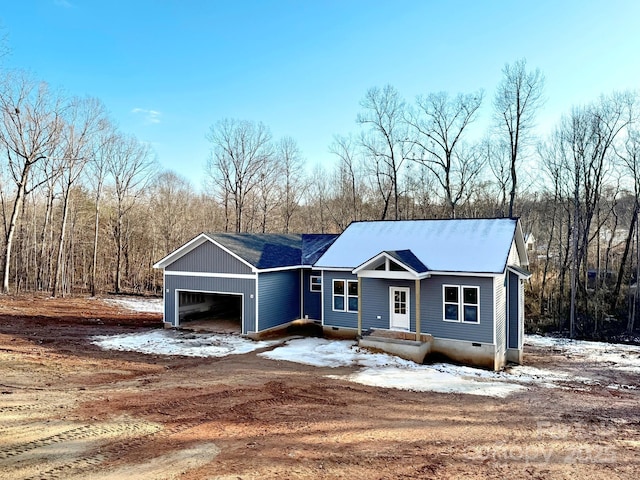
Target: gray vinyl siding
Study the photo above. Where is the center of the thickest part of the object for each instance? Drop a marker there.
(375, 302)
(499, 284)
(243, 286)
(331, 318)
(279, 298)
(514, 310)
(431, 310)
(311, 300)
(209, 258)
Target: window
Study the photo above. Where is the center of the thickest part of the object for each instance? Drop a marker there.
(470, 304)
(345, 296)
(461, 308)
(338, 295)
(316, 284)
(353, 296)
(451, 303)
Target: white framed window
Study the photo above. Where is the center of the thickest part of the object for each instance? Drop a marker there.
(315, 283)
(338, 295)
(461, 303)
(352, 296)
(470, 304)
(345, 295)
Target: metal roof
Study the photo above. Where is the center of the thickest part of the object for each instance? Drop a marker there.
(452, 245)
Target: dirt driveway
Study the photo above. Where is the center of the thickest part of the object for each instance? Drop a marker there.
(69, 410)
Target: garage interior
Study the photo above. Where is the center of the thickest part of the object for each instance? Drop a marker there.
(212, 312)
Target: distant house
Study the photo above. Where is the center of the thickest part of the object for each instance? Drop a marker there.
(453, 287)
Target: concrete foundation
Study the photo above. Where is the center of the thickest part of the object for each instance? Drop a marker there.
(339, 332)
(469, 353)
(407, 349)
(514, 355)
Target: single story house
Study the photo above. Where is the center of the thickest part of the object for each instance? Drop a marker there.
(456, 285)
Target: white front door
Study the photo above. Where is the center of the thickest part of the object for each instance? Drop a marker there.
(399, 302)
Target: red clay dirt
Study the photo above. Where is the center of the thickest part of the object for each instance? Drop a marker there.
(69, 410)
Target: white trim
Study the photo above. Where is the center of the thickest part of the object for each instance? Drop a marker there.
(390, 275)
(466, 274)
(461, 304)
(333, 294)
(277, 269)
(322, 298)
(257, 303)
(311, 284)
(248, 276)
(164, 297)
(392, 290)
(183, 250)
(348, 296)
(495, 327)
(445, 303)
(333, 269)
(301, 294)
(210, 292)
(388, 258)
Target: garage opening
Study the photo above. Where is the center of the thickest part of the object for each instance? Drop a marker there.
(217, 312)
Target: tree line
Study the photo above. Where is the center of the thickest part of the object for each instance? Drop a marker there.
(85, 207)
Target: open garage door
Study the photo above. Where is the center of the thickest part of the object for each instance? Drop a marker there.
(219, 312)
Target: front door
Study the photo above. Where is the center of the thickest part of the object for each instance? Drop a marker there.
(399, 301)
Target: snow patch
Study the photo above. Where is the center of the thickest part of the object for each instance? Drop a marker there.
(388, 371)
(173, 342)
(614, 355)
(146, 305)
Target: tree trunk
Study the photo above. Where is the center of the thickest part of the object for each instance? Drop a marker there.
(17, 207)
(59, 263)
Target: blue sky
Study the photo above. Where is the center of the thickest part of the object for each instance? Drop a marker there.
(169, 69)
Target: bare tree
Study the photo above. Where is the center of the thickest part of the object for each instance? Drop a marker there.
(629, 155)
(384, 142)
(84, 120)
(30, 123)
(291, 169)
(170, 202)
(438, 125)
(131, 168)
(96, 173)
(517, 100)
(348, 181)
(242, 151)
(588, 137)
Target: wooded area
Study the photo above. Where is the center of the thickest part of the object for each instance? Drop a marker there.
(85, 207)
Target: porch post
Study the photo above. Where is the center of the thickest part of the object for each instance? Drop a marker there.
(418, 336)
(359, 305)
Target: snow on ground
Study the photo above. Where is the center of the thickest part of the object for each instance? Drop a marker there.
(383, 370)
(614, 355)
(173, 342)
(389, 371)
(137, 304)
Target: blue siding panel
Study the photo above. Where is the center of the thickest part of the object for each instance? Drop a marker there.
(431, 309)
(279, 298)
(375, 302)
(243, 286)
(500, 296)
(514, 306)
(311, 300)
(331, 317)
(209, 258)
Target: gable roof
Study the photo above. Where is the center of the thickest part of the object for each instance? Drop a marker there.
(262, 251)
(453, 245)
(407, 257)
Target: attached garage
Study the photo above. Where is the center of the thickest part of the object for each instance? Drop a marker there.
(233, 278)
(219, 311)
